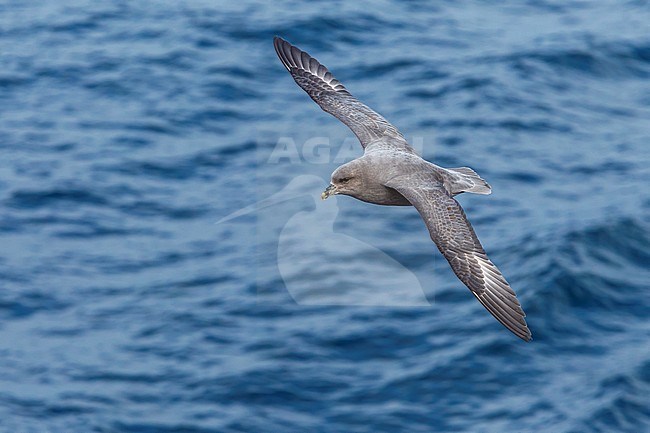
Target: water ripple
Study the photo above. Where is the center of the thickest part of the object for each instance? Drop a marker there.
(127, 129)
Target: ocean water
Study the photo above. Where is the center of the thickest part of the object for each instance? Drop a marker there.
(129, 130)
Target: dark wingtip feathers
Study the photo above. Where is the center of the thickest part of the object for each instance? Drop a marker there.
(291, 56)
(283, 50)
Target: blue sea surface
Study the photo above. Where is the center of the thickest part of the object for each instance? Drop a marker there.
(128, 129)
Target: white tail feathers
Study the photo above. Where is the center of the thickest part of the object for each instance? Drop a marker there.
(464, 179)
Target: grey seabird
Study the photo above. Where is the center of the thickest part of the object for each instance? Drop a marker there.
(391, 173)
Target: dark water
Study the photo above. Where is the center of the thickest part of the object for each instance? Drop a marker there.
(127, 129)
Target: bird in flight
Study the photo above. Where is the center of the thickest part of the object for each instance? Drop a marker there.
(391, 173)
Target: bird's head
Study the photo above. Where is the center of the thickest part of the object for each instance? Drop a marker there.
(346, 180)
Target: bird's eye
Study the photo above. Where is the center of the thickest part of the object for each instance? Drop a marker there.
(345, 179)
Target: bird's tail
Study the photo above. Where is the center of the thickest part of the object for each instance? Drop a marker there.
(464, 179)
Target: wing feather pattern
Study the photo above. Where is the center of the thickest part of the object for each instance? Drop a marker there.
(333, 97)
(454, 236)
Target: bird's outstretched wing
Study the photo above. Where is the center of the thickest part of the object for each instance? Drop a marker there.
(456, 240)
(334, 98)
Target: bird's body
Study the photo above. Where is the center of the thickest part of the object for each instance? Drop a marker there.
(391, 173)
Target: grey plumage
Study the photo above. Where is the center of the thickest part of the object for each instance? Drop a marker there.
(333, 97)
(391, 173)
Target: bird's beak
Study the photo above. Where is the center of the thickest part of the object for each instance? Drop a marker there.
(331, 189)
